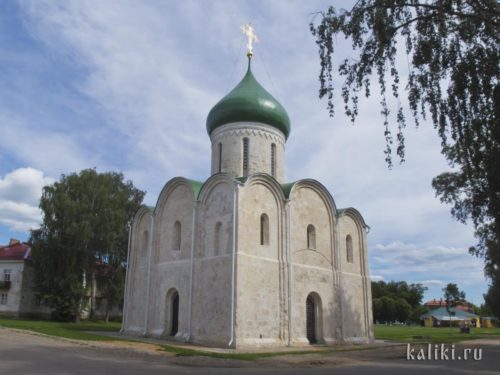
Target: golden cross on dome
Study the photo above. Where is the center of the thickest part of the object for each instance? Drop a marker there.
(248, 30)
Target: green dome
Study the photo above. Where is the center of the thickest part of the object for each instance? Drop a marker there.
(249, 101)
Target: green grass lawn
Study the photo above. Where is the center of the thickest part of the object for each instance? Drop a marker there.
(431, 334)
(67, 330)
(413, 334)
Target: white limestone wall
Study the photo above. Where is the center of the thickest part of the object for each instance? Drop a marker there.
(174, 205)
(201, 271)
(171, 264)
(312, 270)
(309, 208)
(260, 137)
(260, 301)
(355, 282)
(167, 278)
(211, 306)
(216, 220)
(211, 316)
(137, 279)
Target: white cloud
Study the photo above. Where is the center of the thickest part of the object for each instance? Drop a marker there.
(23, 184)
(438, 283)
(434, 266)
(20, 192)
(49, 151)
(431, 264)
(376, 277)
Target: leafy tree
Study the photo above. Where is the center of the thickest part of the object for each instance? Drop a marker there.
(492, 299)
(377, 310)
(85, 224)
(388, 309)
(402, 310)
(417, 312)
(378, 288)
(450, 48)
(453, 295)
(402, 301)
(415, 294)
(411, 293)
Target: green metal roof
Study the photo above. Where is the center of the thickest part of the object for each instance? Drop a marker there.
(442, 314)
(196, 186)
(287, 188)
(249, 101)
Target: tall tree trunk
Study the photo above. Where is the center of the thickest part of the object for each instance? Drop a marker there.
(107, 310)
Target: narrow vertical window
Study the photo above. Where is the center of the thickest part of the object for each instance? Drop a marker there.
(350, 256)
(3, 298)
(177, 236)
(264, 230)
(245, 157)
(311, 237)
(144, 245)
(217, 235)
(140, 249)
(220, 157)
(273, 160)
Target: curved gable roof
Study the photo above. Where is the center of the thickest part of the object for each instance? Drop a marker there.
(288, 188)
(354, 214)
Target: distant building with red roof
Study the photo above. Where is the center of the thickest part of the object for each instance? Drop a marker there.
(15, 251)
(437, 303)
(17, 286)
(17, 297)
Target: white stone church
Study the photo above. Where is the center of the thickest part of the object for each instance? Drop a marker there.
(244, 258)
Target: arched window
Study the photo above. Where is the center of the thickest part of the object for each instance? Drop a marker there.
(177, 236)
(217, 234)
(273, 160)
(264, 229)
(245, 157)
(348, 242)
(144, 242)
(311, 237)
(142, 251)
(220, 157)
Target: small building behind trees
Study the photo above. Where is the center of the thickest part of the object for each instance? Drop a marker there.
(18, 294)
(489, 321)
(17, 297)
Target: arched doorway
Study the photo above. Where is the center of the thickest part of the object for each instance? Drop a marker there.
(311, 320)
(171, 313)
(175, 314)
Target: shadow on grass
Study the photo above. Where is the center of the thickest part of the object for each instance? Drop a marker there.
(74, 331)
(186, 352)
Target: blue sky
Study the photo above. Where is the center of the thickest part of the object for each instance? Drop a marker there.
(126, 86)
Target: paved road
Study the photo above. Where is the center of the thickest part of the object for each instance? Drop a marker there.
(27, 354)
